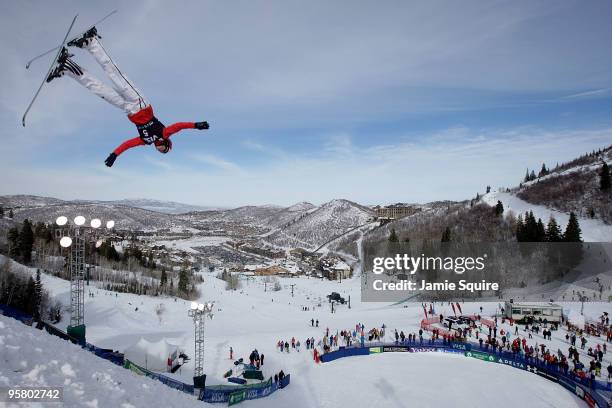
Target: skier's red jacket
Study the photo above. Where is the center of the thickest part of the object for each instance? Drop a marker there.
(144, 116)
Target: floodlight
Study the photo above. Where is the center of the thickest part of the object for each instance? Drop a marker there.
(65, 242)
(110, 224)
(98, 243)
(61, 220)
(95, 223)
(194, 305)
(201, 307)
(79, 220)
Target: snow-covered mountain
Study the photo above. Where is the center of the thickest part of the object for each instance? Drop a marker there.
(317, 226)
(125, 217)
(167, 207)
(23, 200)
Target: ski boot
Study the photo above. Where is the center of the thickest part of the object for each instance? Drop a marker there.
(84, 40)
(64, 63)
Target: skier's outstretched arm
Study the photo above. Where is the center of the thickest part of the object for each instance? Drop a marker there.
(128, 144)
(178, 126)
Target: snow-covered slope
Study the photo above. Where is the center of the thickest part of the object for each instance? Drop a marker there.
(593, 230)
(574, 186)
(255, 318)
(289, 214)
(316, 227)
(33, 358)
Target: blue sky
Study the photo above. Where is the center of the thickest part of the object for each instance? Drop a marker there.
(376, 102)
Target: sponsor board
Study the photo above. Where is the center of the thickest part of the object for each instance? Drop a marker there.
(579, 391)
(480, 356)
(374, 350)
(236, 398)
(395, 349)
(464, 347)
(423, 350)
(512, 363)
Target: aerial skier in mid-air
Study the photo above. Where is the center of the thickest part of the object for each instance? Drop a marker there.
(123, 95)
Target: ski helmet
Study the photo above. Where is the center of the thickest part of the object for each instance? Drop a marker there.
(164, 145)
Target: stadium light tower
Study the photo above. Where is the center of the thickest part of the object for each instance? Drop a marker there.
(76, 236)
(198, 312)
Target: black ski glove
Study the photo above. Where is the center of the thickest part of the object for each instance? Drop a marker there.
(110, 159)
(201, 125)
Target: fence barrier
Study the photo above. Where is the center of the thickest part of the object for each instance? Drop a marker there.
(592, 392)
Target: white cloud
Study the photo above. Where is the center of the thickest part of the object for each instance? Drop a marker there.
(218, 162)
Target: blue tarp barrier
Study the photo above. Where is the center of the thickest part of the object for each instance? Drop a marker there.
(10, 311)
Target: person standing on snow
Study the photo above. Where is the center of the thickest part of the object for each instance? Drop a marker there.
(124, 96)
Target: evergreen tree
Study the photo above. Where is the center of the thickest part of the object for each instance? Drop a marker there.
(446, 235)
(1, 211)
(38, 292)
(526, 178)
(540, 231)
(532, 175)
(11, 214)
(591, 212)
(183, 281)
(553, 231)
(531, 227)
(573, 233)
(13, 241)
(520, 229)
(543, 171)
(488, 189)
(499, 208)
(393, 236)
(26, 241)
(604, 177)
(164, 278)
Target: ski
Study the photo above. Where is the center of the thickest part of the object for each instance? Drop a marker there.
(59, 50)
(55, 48)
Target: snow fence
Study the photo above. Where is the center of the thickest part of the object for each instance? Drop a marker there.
(597, 393)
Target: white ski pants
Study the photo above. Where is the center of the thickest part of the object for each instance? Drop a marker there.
(123, 95)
